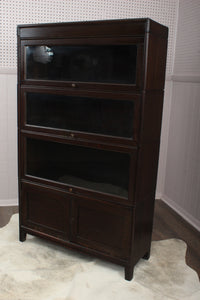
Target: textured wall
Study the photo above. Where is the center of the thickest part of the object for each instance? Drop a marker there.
(187, 60)
(15, 12)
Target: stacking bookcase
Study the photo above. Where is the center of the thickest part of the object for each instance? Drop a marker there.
(90, 98)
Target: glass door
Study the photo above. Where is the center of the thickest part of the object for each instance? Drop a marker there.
(103, 171)
(109, 62)
(94, 116)
(102, 63)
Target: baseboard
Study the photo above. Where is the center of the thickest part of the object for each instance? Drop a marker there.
(180, 211)
(9, 202)
(158, 195)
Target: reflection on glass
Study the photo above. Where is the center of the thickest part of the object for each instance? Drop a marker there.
(102, 116)
(43, 54)
(99, 170)
(102, 63)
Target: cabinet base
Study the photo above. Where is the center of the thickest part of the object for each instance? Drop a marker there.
(129, 273)
(22, 235)
(147, 255)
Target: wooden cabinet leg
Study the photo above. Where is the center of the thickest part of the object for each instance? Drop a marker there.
(22, 235)
(147, 255)
(129, 272)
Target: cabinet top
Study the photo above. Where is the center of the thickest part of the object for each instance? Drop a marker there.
(103, 28)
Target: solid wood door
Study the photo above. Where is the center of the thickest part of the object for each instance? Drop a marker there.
(104, 227)
(45, 210)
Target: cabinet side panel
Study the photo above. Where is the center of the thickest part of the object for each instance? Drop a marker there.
(145, 198)
(147, 166)
(156, 62)
(151, 117)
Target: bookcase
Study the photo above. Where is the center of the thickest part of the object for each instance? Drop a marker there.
(90, 98)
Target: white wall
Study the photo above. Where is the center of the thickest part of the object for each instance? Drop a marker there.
(8, 139)
(182, 180)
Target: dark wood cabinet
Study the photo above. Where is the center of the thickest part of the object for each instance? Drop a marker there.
(90, 98)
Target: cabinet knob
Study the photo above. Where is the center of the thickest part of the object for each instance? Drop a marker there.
(70, 189)
(72, 135)
(74, 85)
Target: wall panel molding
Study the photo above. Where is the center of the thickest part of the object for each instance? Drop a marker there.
(185, 78)
(8, 71)
(176, 77)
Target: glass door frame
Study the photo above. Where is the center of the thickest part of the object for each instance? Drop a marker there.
(133, 152)
(81, 135)
(138, 41)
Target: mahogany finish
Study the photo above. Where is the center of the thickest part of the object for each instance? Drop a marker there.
(89, 147)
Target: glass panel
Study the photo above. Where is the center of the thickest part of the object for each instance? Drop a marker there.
(102, 63)
(99, 170)
(109, 117)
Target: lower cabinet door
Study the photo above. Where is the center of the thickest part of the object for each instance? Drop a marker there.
(104, 227)
(45, 210)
